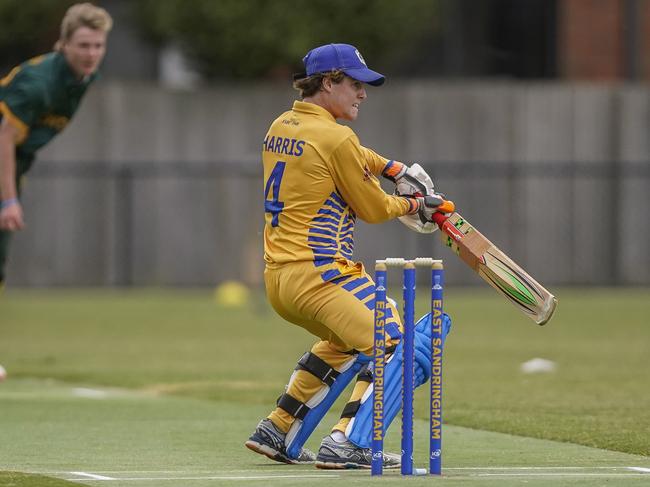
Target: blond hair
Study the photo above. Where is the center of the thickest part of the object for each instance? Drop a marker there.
(311, 85)
(83, 15)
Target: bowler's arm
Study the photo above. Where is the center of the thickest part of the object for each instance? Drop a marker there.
(11, 212)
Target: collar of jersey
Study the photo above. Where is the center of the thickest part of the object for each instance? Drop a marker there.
(312, 109)
(68, 76)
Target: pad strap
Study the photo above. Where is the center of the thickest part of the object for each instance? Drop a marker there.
(350, 409)
(317, 367)
(293, 406)
(365, 375)
(320, 403)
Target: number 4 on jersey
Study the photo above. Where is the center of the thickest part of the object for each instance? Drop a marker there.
(274, 206)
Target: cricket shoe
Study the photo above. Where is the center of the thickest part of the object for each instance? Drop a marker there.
(335, 455)
(269, 440)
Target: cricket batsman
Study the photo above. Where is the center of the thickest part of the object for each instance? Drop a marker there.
(318, 179)
(38, 99)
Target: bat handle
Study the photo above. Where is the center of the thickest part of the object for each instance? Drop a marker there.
(439, 218)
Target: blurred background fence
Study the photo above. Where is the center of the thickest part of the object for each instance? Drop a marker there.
(151, 186)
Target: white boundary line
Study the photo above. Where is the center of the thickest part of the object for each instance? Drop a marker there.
(530, 472)
(308, 469)
(560, 474)
(207, 477)
(92, 476)
(611, 467)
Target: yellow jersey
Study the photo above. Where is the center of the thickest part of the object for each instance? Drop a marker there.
(317, 180)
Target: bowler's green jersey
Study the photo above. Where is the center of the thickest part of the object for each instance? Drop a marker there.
(39, 98)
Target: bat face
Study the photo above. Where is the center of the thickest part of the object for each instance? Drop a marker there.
(496, 268)
(521, 289)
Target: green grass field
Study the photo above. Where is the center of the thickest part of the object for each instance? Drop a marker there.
(150, 387)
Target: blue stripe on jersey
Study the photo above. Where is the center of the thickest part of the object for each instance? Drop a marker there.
(330, 274)
(331, 234)
(322, 231)
(336, 197)
(371, 305)
(329, 241)
(340, 279)
(391, 326)
(352, 285)
(327, 220)
(325, 211)
(325, 226)
(348, 229)
(323, 251)
(365, 292)
(334, 205)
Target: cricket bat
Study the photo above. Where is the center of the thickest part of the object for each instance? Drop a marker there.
(496, 268)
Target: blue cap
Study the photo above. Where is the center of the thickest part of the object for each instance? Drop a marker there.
(345, 57)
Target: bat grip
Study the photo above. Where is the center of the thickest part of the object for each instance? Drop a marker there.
(439, 218)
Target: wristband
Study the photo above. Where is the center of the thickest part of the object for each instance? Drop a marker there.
(394, 170)
(414, 204)
(7, 203)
